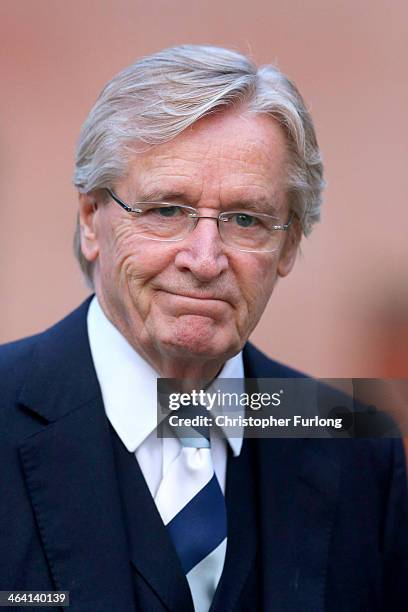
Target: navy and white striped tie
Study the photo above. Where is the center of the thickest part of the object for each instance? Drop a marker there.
(192, 506)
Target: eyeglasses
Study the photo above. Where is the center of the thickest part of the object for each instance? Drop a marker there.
(247, 231)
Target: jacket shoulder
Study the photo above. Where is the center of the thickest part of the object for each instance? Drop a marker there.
(258, 365)
(15, 358)
(18, 357)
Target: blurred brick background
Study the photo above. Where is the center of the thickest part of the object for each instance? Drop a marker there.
(344, 309)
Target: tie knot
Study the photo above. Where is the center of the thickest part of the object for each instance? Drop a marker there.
(193, 429)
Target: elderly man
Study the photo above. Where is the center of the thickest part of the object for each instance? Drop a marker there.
(197, 174)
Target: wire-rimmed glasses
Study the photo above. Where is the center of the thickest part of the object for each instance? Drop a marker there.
(244, 230)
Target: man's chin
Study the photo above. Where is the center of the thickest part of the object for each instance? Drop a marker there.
(199, 337)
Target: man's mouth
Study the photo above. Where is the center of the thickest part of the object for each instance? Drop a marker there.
(199, 295)
(196, 303)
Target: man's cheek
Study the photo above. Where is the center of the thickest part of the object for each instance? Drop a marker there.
(256, 299)
(134, 265)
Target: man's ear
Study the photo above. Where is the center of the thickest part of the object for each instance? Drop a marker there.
(88, 207)
(290, 248)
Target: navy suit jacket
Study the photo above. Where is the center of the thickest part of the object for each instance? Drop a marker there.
(314, 525)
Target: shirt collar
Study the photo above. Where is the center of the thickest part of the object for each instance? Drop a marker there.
(128, 382)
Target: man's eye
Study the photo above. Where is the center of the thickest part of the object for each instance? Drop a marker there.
(166, 211)
(244, 220)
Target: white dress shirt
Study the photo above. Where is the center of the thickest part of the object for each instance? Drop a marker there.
(128, 385)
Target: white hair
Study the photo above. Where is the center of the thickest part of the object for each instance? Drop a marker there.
(159, 96)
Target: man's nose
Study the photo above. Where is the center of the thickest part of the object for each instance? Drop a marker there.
(202, 251)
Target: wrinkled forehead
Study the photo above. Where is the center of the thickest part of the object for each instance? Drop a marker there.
(231, 156)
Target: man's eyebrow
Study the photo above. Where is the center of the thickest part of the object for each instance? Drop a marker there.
(162, 195)
(262, 205)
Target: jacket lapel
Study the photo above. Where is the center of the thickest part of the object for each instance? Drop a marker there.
(69, 471)
(71, 478)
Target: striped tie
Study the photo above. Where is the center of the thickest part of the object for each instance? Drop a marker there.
(192, 506)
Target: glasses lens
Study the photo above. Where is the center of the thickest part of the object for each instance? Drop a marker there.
(164, 221)
(250, 232)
